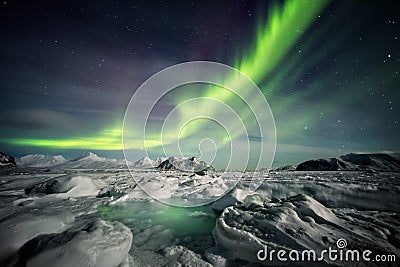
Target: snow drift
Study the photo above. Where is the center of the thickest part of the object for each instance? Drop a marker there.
(299, 223)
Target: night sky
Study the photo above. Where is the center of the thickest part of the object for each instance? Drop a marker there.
(329, 70)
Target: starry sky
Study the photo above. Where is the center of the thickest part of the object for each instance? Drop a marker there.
(328, 69)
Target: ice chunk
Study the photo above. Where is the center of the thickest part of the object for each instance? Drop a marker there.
(88, 243)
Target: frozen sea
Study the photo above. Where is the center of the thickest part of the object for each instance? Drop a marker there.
(100, 217)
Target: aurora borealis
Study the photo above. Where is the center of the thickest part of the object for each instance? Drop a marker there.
(328, 69)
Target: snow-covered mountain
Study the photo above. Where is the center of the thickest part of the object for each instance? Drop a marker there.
(285, 168)
(90, 160)
(87, 160)
(147, 162)
(185, 164)
(354, 162)
(6, 161)
(160, 160)
(88, 155)
(38, 160)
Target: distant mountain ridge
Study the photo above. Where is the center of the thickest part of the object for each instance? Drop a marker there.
(173, 163)
(87, 160)
(147, 162)
(88, 155)
(90, 160)
(38, 160)
(285, 168)
(354, 162)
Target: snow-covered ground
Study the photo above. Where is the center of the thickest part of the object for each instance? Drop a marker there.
(85, 213)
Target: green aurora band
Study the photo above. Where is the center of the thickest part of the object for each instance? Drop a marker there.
(274, 40)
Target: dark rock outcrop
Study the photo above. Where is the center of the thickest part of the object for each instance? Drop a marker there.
(52, 186)
(192, 164)
(319, 165)
(7, 161)
(354, 162)
(378, 161)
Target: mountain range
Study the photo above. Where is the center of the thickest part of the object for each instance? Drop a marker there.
(89, 160)
(354, 162)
